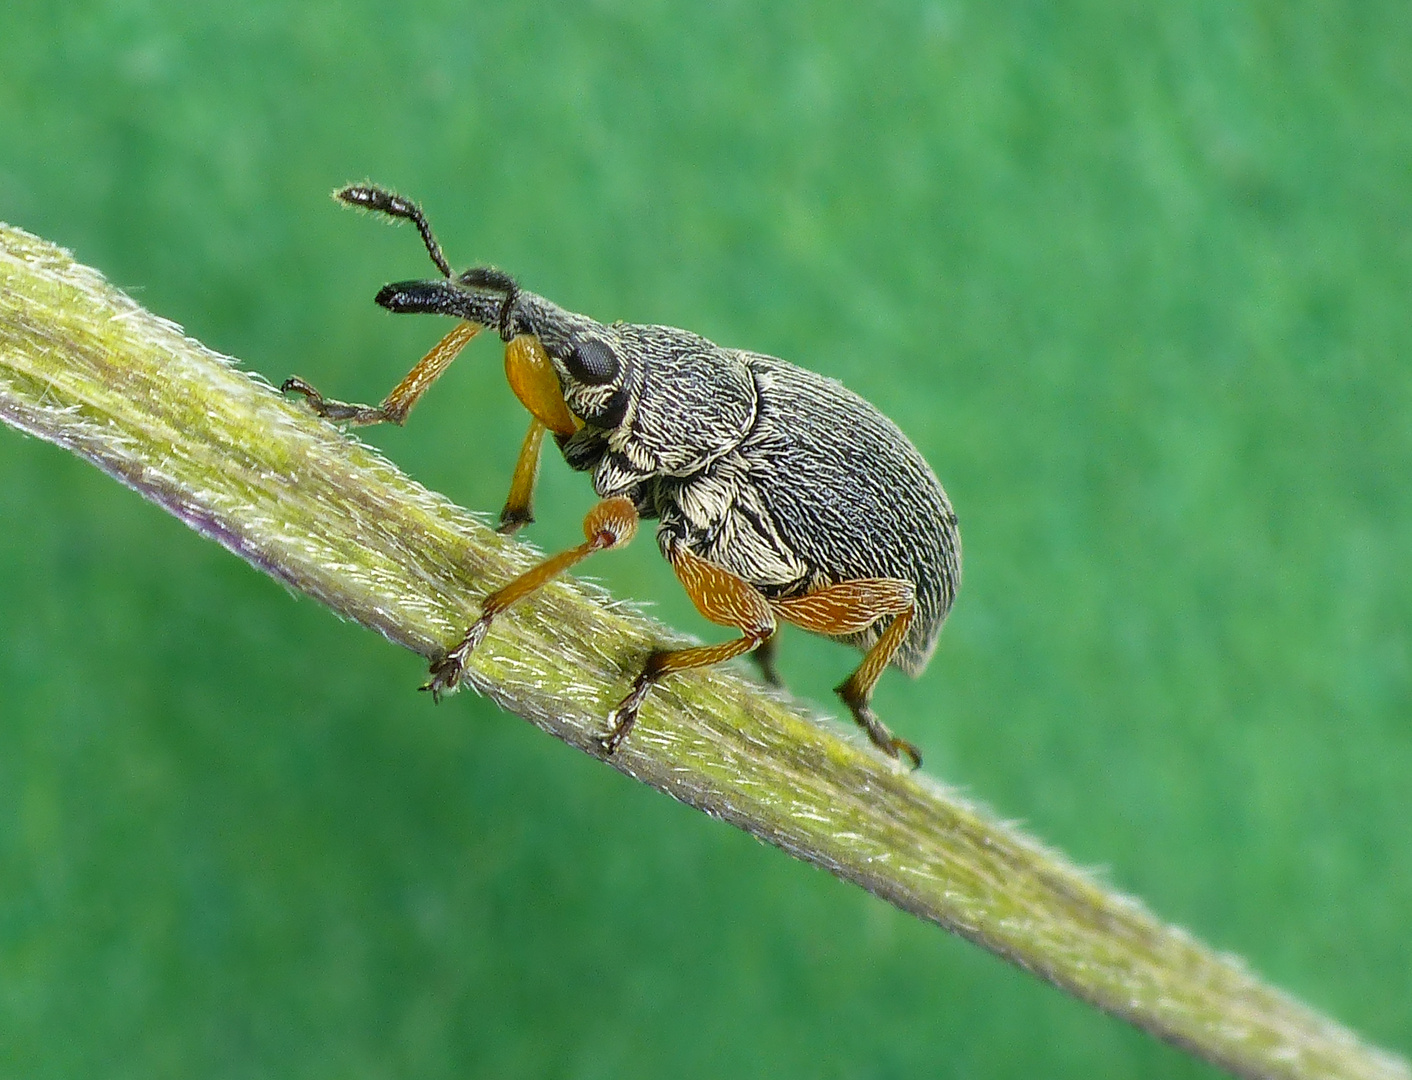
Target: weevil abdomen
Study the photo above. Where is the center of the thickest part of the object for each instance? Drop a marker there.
(822, 489)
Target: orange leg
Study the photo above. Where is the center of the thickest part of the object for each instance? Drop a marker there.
(723, 598)
(404, 395)
(612, 523)
(848, 608)
(518, 510)
(532, 378)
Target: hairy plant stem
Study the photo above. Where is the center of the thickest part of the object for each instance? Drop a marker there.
(86, 368)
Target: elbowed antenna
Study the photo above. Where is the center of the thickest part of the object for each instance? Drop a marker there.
(376, 198)
(429, 296)
(488, 277)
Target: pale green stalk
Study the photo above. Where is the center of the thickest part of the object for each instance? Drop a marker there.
(83, 366)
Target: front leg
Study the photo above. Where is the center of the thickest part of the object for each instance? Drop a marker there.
(404, 395)
(612, 523)
(530, 374)
(519, 503)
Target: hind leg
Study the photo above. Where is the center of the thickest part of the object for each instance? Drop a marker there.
(764, 658)
(849, 608)
(720, 596)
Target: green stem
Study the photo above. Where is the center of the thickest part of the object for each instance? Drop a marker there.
(83, 366)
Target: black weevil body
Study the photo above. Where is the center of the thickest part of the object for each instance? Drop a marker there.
(779, 494)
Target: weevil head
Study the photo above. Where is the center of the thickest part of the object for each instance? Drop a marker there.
(439, 296)
(597, 374)
(655, 400)
(481, 294)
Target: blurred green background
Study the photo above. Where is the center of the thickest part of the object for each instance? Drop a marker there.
(1134, 277)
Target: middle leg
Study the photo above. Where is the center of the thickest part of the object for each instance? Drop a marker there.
(612, 523)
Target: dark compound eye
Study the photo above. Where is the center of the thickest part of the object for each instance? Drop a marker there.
(592, 361)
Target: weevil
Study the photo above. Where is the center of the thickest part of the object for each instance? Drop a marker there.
(780, 495)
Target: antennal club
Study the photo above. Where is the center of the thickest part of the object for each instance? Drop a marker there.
(376, 198)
